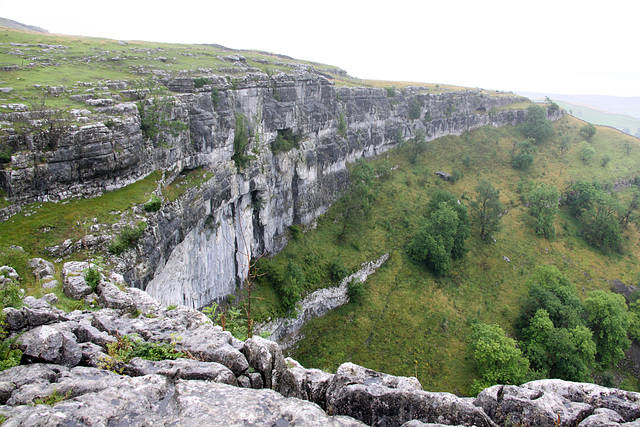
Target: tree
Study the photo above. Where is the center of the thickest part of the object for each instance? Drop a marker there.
(487, 209)
(417, 146)
(588, 131)
(609, 321)
(600, 225)
(536, 125)
(435, 241)
(524, 159)
(463, 227)
(586, 151)
(627, 213)
(580, 197)
(543, 206)
(357, 200)
(498, 359)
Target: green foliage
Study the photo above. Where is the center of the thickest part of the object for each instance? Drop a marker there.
(5, 157)
(440, 238)
(451, 108)
(588, 131)
(92, 277)
(126, 348)
(586, 152)
(357, 201)
(153, 205)
(285, 141)
(463, 227)
(498, 359)
(456, 176)
(553, 106)
(342, 126)
(609, 321)
(543, 206)
(486, 208)
(355, 291)
(391, 91)
(215, 96)
(415, 108)
(337, 271)
(10, 296)
(417, 146)
(605, 160)
(288, 284)
(199, 82)
(127, 238)
(580, 197)
(536, 124)
(524, 159)
(241, 141)
(230, 319)
(53, 398)
(600, 225)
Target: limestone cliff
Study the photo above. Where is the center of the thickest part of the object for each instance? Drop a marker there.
(197, 247)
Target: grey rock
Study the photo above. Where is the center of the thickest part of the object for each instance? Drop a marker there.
(312, 384)
(112, 297)
(85, 332)
(266, 358)
(10, 273)
(41, 316)
(6, 389)
(14, 319)
(27, 374)
(36, 303)
(522, 405)
(256, 380)
(51, 345)
(602, 417)
(416, 423)
(75, 287)
(42, 268)
(50, 298)
(211, 345)
(94, 356)
(380, 400)
(443, 175)
(185, 369)
(625, 403)
(50, 284)
(244, 381)
(144, 302)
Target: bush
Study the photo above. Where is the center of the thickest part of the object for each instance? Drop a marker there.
(92, 277)
(536, 124)
(127, 238)
(355, 291)
(215, 96)
(153, 205)
(5, 157)
(285, 141)
(588, 131)
(586, 151)
(337, 271)
(200, 82)
(241, 141)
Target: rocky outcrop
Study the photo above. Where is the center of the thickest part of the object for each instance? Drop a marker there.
(71, 375)
(284, 330)
(195, 249)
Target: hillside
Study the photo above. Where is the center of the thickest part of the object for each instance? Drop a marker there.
(177, 166)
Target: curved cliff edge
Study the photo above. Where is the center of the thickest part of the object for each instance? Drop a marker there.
(224, 381)
(194, 250)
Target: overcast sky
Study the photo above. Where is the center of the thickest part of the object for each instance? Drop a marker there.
(559, 46)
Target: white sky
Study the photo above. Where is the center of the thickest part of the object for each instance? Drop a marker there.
(559, 46)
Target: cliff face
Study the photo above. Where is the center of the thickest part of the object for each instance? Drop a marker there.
(197, 248)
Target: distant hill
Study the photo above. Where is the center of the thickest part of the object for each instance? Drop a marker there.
(622, 113)
(18, 26)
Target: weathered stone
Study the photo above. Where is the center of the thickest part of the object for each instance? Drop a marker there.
(87, 333)
(312, 384)
(40, 316)
(51, 345)
(50, 284)
(185, 369)
(42, 268)
(625, 403)
(144, 302)
(602, 417)
(50, 298)
(75, 287)
(522, 405)
(380, 400)
(14, 319)
(112, 297)
(94, 356)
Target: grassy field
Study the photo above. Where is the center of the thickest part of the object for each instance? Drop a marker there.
(621, 122)
(412, 323)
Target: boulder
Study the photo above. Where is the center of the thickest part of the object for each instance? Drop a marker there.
(266, 358)
(42, 268)
(312, 384)
(109, 296)
(87, 333)
(379, 399)
(625, 403)
(75, 287)
(602, 417)
(520, 405)
(211, 345)
(51, 345)
(186, 369)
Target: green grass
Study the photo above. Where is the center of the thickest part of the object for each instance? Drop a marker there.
(412, 323)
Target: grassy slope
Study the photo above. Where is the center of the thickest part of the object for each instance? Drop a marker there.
(414, 324)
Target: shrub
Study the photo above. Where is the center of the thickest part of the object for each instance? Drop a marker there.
(285, 141)
(355, 291)
(241, 141)
(200, 82)
(342, 126)
(536, 124)
(586, 151)
(588, 131)
(5, 157)
(337, 271)
(415, 109)
(92, 277)
(153, 205)
(127, 238)
(215, 96)
(391, 92)
(290, 289)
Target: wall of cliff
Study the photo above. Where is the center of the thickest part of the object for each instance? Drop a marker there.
(197, 248)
